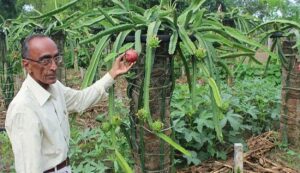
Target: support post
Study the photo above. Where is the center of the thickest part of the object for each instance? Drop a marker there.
(238, 158)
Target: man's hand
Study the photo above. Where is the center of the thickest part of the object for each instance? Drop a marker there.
(120, 66)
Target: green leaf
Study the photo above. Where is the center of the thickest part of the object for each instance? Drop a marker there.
(164, 3)
(137, 41)
(185, 18)
(196, 4)
(216, 91)
(120, 4)
(194, 81)
(234, 120)
(239, 36)
(150, 54)
(125, 47)
(137, 18)
(110, 56)
(122, 162)
(136, 9)
(51, 13)
(173, 43)
(213, 37)
(115, 29)
(204, 120)
(90, 22)
(291, 23)
(186, 66)
(119, 41)
(197, 19)
(109, 19)
(173, 144)
(127, 4)
(236, 54)
(186, 40)
(193, 158)
(91, 71)
(189, 135)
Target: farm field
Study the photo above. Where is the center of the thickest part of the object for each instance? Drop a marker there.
(194, 81)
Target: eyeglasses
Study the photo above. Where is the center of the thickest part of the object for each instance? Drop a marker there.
(47, 60)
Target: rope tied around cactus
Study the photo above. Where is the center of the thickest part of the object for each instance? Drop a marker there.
(152, 88)
(290, 88)
(148, 130)
(287, 68)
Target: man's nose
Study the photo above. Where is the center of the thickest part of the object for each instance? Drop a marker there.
(54, 65)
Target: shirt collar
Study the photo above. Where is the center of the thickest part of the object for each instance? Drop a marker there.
(40, 93)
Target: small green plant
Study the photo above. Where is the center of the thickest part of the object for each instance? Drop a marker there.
(247, 110)
(6, 154)
(91, 150)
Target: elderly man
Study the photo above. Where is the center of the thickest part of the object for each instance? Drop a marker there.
(37, 118)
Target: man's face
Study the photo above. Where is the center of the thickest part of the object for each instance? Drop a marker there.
(40, 48)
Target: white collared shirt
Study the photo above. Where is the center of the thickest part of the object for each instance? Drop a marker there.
(37, 121)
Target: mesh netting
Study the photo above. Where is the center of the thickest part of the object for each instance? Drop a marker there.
(290, 113)
(10, 84)
(152, 154)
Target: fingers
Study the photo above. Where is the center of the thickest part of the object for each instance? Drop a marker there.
(130, 65)
(120, 57)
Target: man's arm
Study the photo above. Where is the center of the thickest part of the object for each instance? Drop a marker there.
(78, 101)
(24, 132)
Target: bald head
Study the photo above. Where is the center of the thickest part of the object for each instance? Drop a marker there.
(26, 45)
(35, 50)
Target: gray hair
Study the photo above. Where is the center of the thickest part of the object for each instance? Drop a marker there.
(25, 43)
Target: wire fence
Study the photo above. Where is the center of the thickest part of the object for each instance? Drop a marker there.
(9, 86)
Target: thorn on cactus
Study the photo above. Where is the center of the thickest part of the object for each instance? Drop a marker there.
(142, 115)
(200, 53)
(157, 126)
(154, 42)
(105, 126)
(116, 120)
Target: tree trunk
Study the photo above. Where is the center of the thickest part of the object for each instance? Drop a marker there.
(151, 154)
(290, 112)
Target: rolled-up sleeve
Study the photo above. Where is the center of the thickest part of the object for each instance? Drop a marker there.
(79, 100)
(26, 137)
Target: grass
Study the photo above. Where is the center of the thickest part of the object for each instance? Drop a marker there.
(289, 156)
(6, 154)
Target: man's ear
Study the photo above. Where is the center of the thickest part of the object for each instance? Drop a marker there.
(26, 65)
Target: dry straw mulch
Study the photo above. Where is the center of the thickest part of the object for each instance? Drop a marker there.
(256, 159)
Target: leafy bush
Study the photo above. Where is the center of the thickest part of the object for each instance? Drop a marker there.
(273, 72)
(6, 154)
(92, 150)
(252, 106)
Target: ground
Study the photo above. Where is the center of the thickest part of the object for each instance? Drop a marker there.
(266, 154)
